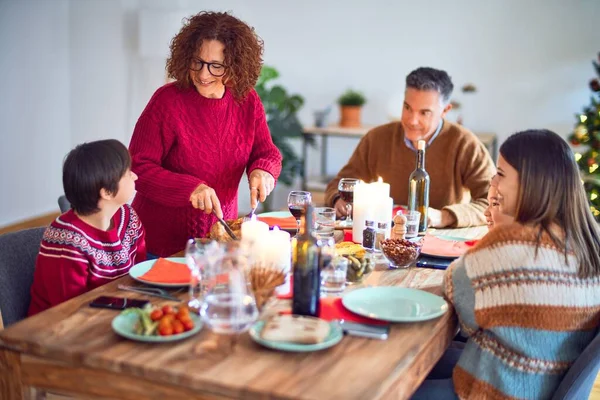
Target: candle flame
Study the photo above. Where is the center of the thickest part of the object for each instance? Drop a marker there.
(380, 180)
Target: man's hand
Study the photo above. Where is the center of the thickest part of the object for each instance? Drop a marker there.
(340, 208)
(205, 198)
(440, 219)
(262, 184)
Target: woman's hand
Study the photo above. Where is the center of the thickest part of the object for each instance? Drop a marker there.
(262, 184)
(205, 198)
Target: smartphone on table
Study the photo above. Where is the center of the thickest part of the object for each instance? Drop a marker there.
(117, 303)
(380, 332)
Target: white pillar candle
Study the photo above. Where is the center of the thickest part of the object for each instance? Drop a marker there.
(383, 212)
(279, 251)
(254, 230)
(381, 189)
(363, 200)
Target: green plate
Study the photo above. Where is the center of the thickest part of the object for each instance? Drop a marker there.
(140, 269)
(124, 325)
(335, 336)
(395, 304)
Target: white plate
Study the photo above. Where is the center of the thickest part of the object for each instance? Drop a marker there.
(140, 269)
(395, 304)
(335, 336)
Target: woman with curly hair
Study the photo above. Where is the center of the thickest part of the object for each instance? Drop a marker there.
(198, 135)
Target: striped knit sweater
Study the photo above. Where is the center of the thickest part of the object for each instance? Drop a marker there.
(528, 318)
(75, 257)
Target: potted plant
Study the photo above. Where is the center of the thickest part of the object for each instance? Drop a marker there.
(350, 105)
(281, 108)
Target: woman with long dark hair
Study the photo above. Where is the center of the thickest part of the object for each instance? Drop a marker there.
(528, 295)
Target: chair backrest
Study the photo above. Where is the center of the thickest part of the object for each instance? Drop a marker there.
(63, 204)
(18, 251)
(579, 380)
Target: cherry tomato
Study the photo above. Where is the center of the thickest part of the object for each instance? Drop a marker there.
(165, 330)
(156, 314)
(188, 325)
(168, 310)
(177, 327)
(183, 313)
(165, 321)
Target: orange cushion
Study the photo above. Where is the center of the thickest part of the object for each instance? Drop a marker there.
(166, 271)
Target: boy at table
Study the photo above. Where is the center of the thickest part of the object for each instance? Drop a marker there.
(100, 238)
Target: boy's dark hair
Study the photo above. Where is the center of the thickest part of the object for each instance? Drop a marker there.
(425, 78)
(90, 167)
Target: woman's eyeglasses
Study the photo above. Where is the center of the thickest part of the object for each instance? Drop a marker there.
(215, 69)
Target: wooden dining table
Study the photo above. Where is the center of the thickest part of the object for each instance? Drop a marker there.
(71, 349)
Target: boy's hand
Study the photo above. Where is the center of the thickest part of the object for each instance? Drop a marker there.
(205, 198)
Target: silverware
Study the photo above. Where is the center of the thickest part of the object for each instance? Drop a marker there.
(149, 292)
(251, 213)
(227, 228)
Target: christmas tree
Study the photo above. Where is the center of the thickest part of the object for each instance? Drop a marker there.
(587, 137)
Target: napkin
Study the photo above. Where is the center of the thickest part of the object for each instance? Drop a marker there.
(435, 246)
(332, 308)
(166, 271)
(281, 222)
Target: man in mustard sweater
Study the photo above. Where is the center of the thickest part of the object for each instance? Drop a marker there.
(457, 162)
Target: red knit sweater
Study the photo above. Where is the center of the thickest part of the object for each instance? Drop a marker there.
(75, 257)
(183, 139)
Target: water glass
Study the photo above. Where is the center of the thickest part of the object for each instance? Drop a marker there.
(325, 222)
(200, 258)
(229, 306)
(412, 223)
(333, 275)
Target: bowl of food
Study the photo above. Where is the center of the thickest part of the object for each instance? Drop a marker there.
(360, 265)
(400, 253)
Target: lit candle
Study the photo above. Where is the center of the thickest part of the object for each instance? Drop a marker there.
(381, 189)
(253, 230)
(363, 201)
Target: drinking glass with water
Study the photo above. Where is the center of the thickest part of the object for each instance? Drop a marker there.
(229, 306)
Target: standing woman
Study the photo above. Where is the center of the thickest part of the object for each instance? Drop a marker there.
(528, 294)
(198, 135)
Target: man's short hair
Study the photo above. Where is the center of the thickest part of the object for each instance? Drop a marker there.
(425, 78)
(90, 167)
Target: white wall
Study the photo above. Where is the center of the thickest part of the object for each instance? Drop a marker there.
(34, 105)
(530, 60)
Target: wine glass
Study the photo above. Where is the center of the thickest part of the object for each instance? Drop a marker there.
(346, 191)
(229, 306)
(297, 202)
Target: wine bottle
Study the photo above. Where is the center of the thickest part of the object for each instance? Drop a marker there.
(418, 188)
(305, 260)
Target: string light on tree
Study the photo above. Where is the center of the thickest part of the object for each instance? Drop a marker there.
(586, 135)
